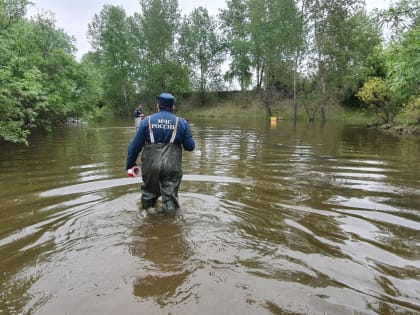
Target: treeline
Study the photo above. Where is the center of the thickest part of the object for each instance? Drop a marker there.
(319, 52)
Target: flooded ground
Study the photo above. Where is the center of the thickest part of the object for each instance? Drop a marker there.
(274, 220)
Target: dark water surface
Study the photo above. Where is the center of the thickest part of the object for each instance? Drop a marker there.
(275, 220)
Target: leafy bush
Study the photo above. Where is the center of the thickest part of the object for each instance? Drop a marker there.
(378, 99)
(412, 111)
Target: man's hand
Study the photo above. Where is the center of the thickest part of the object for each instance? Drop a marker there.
(135, 171)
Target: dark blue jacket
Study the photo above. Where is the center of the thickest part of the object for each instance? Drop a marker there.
(163, 123)
(138, 112)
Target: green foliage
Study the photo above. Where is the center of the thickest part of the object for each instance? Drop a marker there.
(168, 76)
(11, 12)
(262, 38)
(201, 49)
(236, 39)
(343, 39)
(400, 17)
(158, 26)
(375, 64)
(88, 91)
(355, 41)
(136, 55)
(398, 91)
(403, 62)
(109, 35)
(159, 23)
(41, 84)
(274, 31)
(379, 100)
(412, 110)
(20, 99)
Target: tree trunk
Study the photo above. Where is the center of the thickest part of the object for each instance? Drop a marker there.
(266, 102)
(323, 113)
(296, 69)
(127, 110)
(294, 89)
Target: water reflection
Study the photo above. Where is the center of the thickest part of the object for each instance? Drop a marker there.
(160, 243)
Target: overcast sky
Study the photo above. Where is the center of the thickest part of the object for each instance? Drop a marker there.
(75, 15)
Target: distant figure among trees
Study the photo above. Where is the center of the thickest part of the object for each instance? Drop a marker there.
(138, 115)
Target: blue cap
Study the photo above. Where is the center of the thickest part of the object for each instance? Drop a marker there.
(166, 100)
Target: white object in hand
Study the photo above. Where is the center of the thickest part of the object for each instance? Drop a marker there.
(135, 171)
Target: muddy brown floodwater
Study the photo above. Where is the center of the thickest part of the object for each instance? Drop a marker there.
(275, 219)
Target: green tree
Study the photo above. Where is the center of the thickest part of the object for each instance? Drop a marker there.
(347, 49)
(157, 27)
(400, 62)
(12, 12)
(41, 84)
(19, 91)
(236, 38)
(403, 63)
(52, 51)
(403, 54)
(109, 35)
(274, 30)
(88, 92)
(400, 17)
(341, 38)
(18, 86)
(201, 49)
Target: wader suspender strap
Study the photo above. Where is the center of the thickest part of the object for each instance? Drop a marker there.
(174, 131)
(152, 138)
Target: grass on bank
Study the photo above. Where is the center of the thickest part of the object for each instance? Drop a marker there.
(242, 107)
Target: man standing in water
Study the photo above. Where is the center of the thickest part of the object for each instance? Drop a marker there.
(160, 138)
(138, 114)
